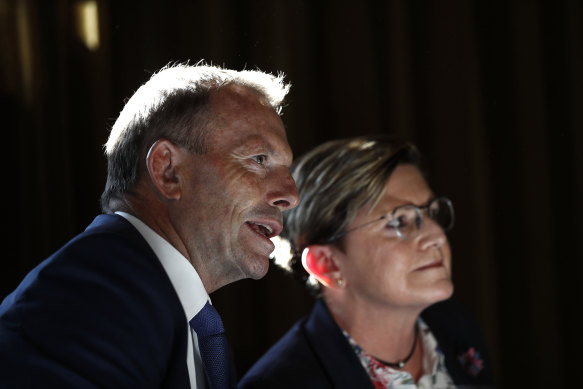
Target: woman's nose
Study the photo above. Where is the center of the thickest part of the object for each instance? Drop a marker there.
(431, 234)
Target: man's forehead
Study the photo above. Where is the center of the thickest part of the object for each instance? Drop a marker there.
(241, 119)
(264, 140)
(234, 94)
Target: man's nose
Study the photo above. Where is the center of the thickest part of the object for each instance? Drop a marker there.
(284, 193)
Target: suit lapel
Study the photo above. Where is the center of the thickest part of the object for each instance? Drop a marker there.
(333, 350)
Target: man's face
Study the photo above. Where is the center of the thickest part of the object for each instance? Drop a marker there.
(234, 194)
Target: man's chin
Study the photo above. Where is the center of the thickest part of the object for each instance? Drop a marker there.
(257, 268)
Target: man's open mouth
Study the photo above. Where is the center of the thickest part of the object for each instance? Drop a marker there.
(262, 229)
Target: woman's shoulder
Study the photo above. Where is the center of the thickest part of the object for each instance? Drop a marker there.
(289, 363)
(460, 339)
(449, 312)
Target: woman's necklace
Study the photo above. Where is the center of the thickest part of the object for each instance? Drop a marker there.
(401, 364)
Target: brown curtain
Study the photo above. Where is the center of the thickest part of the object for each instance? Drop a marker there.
(492, 93)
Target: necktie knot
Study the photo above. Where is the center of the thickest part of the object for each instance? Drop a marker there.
(207, 322)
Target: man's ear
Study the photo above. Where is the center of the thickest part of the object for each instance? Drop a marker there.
(318, 260)
(161, 163)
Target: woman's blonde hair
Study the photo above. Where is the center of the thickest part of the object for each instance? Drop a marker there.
(335, 181)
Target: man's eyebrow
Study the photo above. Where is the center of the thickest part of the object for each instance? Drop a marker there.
(257, 142)
(262, 144)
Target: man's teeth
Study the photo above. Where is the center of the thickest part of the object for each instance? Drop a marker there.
(261, 228)
(265, 230)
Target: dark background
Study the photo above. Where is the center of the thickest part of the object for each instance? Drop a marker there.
(491, 91)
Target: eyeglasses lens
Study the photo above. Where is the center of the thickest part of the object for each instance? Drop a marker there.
(409, 220)
(441, 210)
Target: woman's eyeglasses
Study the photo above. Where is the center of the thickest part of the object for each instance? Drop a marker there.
(406, 220)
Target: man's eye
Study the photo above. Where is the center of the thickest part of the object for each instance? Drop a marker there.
(260, 159)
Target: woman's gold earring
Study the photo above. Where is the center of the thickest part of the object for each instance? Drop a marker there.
(340, 282)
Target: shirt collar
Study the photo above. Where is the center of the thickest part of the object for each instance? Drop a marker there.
(183, 276)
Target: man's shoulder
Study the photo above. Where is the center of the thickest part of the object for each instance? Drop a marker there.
(108, 272)
(105, 239)
(111, 225)
(109, 256)
(98, 298)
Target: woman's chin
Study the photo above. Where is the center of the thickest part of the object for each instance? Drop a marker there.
(438, 292)
(443, 291)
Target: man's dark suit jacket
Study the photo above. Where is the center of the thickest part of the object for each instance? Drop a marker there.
(99, 313)
(315, 354)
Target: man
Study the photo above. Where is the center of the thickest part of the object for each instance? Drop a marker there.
(198, 178)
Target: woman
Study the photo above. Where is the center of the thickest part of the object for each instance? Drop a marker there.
(369, 237)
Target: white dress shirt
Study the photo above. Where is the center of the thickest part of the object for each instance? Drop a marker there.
(189, 289)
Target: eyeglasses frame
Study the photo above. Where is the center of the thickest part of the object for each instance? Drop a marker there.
(418, 209)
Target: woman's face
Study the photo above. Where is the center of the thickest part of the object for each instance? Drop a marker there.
(382, 269)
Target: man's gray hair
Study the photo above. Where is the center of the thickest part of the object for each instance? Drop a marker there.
(173, 104)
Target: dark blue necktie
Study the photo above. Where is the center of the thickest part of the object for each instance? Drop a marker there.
(214, 349)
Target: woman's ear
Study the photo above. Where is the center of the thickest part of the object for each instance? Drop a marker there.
(318, 260)
(161, 163)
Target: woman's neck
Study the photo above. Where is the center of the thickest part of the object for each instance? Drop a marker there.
(384, 332)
